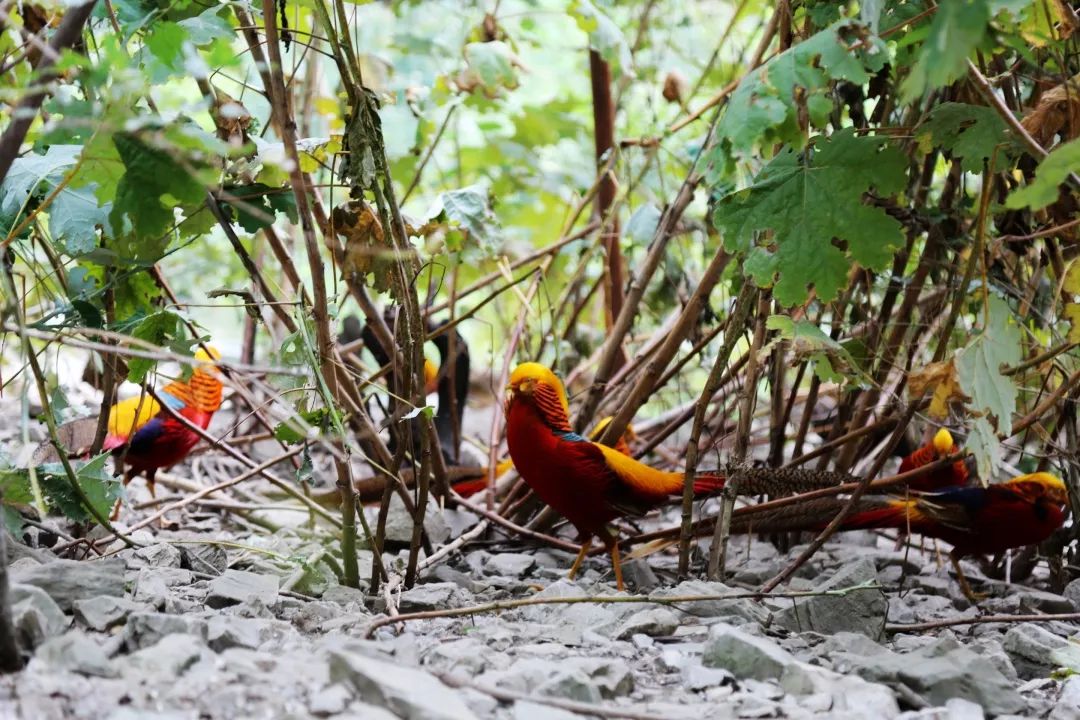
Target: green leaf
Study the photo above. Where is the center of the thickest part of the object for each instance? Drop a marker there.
(100, 488)
(158, 329)
(152, 185)
(970, 132)
(469, 208)
(983, 444)
(762, 109)
(492, 65)
(1052, 171)
(808, 200)
(292, 432)
(166, 41)
(642, 225)
(256, 205)
(978, 365)
(15, 486)
(958, 28)
(74, 215)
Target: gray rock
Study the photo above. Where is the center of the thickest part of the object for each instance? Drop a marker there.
(638, 574)
(861, 611)
(699, 677)
(399, 524)
(204, 558)
(170, 657)
(1030, 646)
(76, 652)
(1068, 702)
(652, 622)
(960, 709)
(406, 692)
(940, 671)
(35, 615)
(105, 611)
(464, 655)
(745, 655)
(239, 586)
(223, 632)
(735, 608)
(846, 693)
(612, 677)
(1072, 593)
(144, 629)
(331, 700)
(511, 565)
(67, 580)
(157, 555)
(526, 710)
(344, 595)
(432, 596)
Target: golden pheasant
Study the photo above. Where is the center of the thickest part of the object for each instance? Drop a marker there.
(588, 483)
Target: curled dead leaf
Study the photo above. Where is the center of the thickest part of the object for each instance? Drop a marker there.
(231, 119)
(1058, 111)
(941, 378)
(674, 87)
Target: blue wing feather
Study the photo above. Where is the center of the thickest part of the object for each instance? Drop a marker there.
(145, 436)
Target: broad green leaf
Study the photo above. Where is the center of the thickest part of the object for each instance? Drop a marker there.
(978, 365)
(642, 225)
(153, 184)
(957, 29)
(292, 433)
(100, 488)
(74, 218)
(166, 41)
(808, 200)
(832, 361)
(158, 329)
(492, 65)
(970, 132)
(15, 486)
(469, 209)
(257, 204)
(983, 444)
(762, 109)
(1051, 172)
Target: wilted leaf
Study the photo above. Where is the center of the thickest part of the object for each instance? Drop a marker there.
(1071, 310)
(469, 210)
(368, 255)
(979, 365)
(983, 444)
(941, 378)
(832, 361)
(808, 200)
(1058, 109)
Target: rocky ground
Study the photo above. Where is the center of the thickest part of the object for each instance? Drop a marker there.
(198, 625)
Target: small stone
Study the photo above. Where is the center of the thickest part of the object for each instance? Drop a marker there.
(610, 676)
(157, 555)
(144, 629)
(331, 700)
(1072, 592)
(745, 655)
(239, 586)
(937, 672)
(67, 580)
(846, 692)
(407, 692)
(960, 709)
(35, 615)
(1068, 702)
(699, 677)
(399, 524)
(1029, 646)
(638, 574)
(204, 558)
(464, 655)
(170, 657)
(77, 652)
(228, 632)
(511, 565)
(344, 595)
(861, 611)
(527, 710)
(653, 622)
(105, 611)
(431, 596)
(733, 608)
